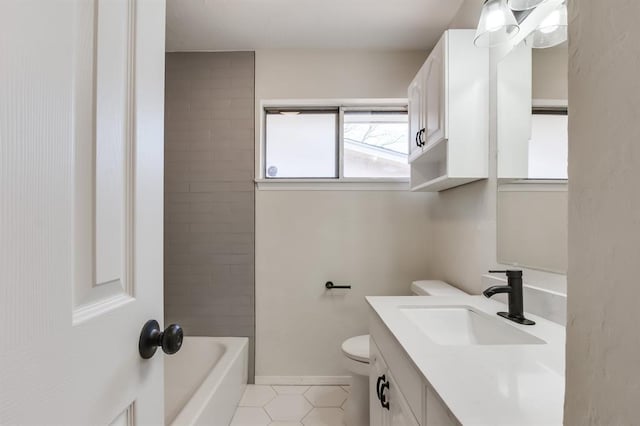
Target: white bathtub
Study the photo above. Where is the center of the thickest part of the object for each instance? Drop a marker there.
(205, 380)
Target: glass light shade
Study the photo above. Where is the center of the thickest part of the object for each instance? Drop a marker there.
(523, 4)
(497, 24)
(552, 30)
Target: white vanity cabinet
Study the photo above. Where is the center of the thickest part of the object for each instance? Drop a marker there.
(449, 115)
(398, 394)
(443, 375)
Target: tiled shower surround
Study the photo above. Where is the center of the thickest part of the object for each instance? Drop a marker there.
(209, 194)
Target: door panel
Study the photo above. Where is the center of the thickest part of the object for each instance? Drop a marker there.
(416, 95)
(81, 171)
(104, 154)
(114, 39)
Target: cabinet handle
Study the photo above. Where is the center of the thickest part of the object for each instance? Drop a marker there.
(417, 136)
(380, 379)
(421, 134)
(383, 400)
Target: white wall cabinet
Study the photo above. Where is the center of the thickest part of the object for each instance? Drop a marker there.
(398, 394)
(449, 115)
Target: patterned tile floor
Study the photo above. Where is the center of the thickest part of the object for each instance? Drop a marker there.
(263, 405)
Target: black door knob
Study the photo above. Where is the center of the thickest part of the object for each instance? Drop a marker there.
(170, 340)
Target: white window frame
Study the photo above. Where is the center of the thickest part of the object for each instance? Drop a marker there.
(339, 183)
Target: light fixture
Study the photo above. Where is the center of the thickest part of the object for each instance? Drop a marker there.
(552, 30)
(524, 4)
(497, 24)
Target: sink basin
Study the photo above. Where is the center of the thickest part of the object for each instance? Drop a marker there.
(462, 325)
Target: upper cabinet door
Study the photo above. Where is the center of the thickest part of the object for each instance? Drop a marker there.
(416, 99)
(434, 95)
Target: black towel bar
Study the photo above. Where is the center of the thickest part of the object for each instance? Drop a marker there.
(330, 286)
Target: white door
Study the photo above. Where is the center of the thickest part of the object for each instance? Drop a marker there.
(81, 202)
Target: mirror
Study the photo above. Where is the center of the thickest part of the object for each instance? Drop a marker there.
(532, 138)
(532, 116)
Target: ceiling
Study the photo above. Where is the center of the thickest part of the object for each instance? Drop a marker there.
(214, 25)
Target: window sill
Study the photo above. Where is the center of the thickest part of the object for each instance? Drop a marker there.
(332, 184)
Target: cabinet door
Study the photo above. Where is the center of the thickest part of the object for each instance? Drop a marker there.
(416, 99)
(436, 412)
(434, 95)
(400, 413)
(378, 416)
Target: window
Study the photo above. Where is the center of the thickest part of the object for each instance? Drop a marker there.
(336, 143)
(301, 144)
(375, 144)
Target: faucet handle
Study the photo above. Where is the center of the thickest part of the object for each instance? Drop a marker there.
(511, 273)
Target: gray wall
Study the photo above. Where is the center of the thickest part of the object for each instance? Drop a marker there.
(209, 194)
(603, 342)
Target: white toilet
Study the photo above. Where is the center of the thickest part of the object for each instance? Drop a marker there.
(356, 357)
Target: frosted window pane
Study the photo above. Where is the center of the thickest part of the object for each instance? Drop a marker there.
(375, 144)
(301, 145)
(548, 147)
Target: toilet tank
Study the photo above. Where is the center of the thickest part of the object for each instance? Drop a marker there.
(435, 288)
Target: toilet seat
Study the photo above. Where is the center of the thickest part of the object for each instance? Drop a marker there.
(357, 348)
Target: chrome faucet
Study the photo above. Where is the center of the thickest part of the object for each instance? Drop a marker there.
(514, 291)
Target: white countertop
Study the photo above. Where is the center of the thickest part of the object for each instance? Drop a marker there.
(485, 384)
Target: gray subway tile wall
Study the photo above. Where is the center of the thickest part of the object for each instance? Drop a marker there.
(209, 194)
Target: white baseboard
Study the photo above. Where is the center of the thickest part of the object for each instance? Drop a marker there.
(303, 380)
